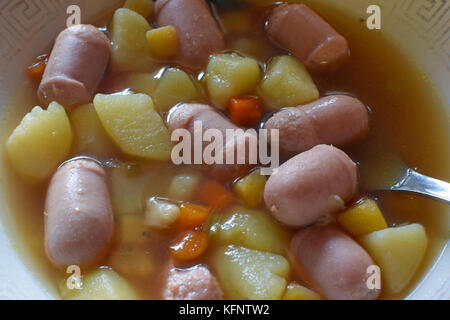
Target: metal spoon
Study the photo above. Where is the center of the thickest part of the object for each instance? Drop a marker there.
(414, 182)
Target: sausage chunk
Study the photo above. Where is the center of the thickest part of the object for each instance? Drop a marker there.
(199, 34)
(338, 120)
(75, 67)
(311, 184)
(78, 214)
(186, 116)
(196, 283)
(334, 263)
(306, 35)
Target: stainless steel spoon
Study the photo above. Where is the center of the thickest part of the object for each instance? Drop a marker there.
(414, 182)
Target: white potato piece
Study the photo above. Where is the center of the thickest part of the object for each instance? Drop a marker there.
(142, 82)
(160, 214)
(249, 228)
(131, 51)
(102, 284)
(183, 186)
(90, 136)
(246, 274)
(173, 87)
(230, 75)
(41, 142)
(134, 125)
(287, 83)
(398, 252)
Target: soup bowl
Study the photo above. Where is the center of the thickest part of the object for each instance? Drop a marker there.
(420, 28)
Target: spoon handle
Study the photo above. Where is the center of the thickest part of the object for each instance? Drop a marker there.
(415, 182)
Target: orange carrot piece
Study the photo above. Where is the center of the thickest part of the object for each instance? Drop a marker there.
(36, 69)
(215, 195)
(190, 246)
(245, 111)
(192, 215)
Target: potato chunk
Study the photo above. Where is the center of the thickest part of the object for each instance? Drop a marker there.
(131, 51)
(130, 230)
(132, 262)
(246, 274)
(249, 228)
(41, 142)
(132, 122)
(183, 186)
(173, 87)
(250, 189)
(363, 218)
(163, 42)
(141, 82)
(230, 75)
(102, 284)
(90, 136)
(133, 183)
(294, 291)
(287, 83)
(398, 252)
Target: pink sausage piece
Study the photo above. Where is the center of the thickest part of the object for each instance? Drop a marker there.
(199, 34)
(76, 66)
(338, 120)
(306, 35)
(78, 214)
(311, 184)
(185, 116)
(333, 262)
(196, 283)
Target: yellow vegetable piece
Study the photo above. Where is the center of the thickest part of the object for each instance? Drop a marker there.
(287, 83)
(173, 87)
(294, 291)
(143, 7)
(41, 142)
(183, 186)
(130, 230)
(250, 189)
(363, 218)
(230, 75)
(132, 261)
(102, 284)
(249, 228)
(134, 125)
(398, 252)
(131, 51)
(251, 274)
(142, 82)
(90, 137)
(163, 42)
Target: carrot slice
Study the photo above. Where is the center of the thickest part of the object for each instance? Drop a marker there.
(192, 215)
(245, 111)
(215, 195)
(190, 246)
(36, 70)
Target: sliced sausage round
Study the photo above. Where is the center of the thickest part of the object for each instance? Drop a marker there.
(306, 35)
(333, 262)
(338, 120)
(76, 66)
(188, 116)
(199, 34)
(78, 214)
(311, 184)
